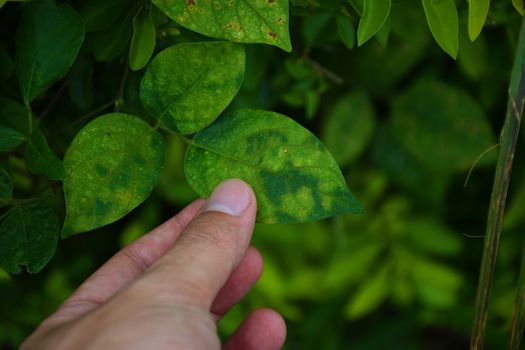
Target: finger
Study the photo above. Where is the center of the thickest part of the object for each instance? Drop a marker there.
(127, 265)
(207, 252)
(239, 283)
(263, 329)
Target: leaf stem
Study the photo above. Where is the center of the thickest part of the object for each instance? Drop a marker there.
(508, 140)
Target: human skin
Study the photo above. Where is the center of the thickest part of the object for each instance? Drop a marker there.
(168, 289)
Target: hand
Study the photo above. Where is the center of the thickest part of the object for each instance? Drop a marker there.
(168, 289)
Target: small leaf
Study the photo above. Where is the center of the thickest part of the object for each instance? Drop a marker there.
(477, 14)
(349, 127)
(294, 177)
(188, 85)
(346, 30)
(28, 237)
(442, 17)
(442, 126)
(9, 138)
(48, 40)
(375, 13)
(40, 159)
(242, 21)
(6, 186)
(143, 40)
(111, 167)
(370, 295)
(519, 6)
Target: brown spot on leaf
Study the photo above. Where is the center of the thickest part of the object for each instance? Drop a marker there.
(190, 2)
(271, 1)
(272, 35)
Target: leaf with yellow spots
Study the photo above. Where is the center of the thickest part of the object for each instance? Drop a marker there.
(242, 21)
(187, 86)
(111, 167)
(291, 172)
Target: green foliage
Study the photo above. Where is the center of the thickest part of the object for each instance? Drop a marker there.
(157, 102)
(293, 175)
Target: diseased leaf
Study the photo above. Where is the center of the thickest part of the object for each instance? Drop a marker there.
(375, 13)
(9, 138)
(111, 167)
(349, 127)
(40, 159)
(28, 237)
(143, 40)
(242, 21)
(188, 85)
(294, 177)
(6, 186)
(477, 14)
(442, 126)
(48, 40)
(442, 18)
(346, 30)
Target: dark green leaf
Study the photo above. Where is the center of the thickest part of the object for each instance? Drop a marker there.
(188, 97)
(477, 14)
(100, 14)
(442, 17)
(442, 126)
(109, 46)
(80, 83)
(15, 116)
(346, 30)
(6, 186)
(9, 138)
(111, 167)
(6, 63)
(143, 40)
(375, 13)
(243, 21)
(294, 177)
(349, 127)
(40, 159)
(28, 237)
(48, 40)
(384, 33)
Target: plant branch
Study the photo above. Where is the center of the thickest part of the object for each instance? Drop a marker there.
(508, 140)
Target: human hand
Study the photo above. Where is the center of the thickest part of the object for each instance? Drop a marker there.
(168, 289)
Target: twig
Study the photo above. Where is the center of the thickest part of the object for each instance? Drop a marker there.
(508, 139)
(334, 78)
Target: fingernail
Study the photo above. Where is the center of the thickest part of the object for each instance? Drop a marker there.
(230, 197)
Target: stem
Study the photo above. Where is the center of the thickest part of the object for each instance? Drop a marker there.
(508, 139)
(518, 319)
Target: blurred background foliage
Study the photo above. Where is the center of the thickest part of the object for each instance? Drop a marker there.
(404, 121)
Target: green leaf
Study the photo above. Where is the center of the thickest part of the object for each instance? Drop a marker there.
(346, 30)
(442, 17)
(9, 138)
(370, 295)
(294, 177)
(442, 126)
(349, 127)
(143, 40)
(48, 40)
(14, 115)
(477, 14)
(6, 186)
(111, 167)
(188, 97)
(28, 237)
(100, 14)
(40, 159)
(519, 6)
(242, 21)
(384, 33)
(115, 39)
(375, 13)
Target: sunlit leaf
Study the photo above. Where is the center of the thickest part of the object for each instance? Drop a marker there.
(243, 21)
(48, 40)
(294, 177)
(28, 238)
(41, 159)
(349, 126)
(375, 13)
(9, 138)
(477, 14)
(442, 17)
(188, 97)
(111, 167)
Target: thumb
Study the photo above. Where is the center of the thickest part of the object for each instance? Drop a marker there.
(197, 266)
